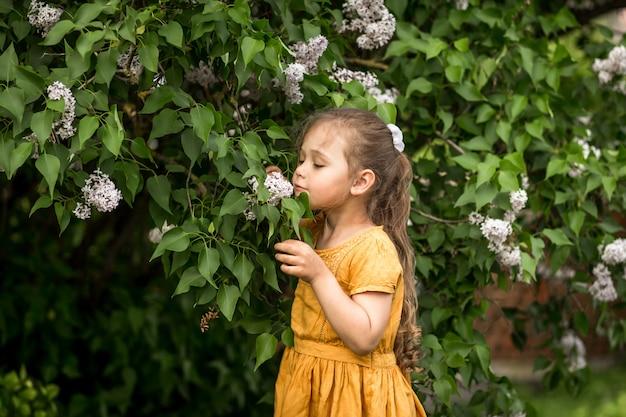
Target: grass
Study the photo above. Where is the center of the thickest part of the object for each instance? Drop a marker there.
(604, 397)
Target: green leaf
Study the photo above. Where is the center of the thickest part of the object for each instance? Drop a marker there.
(234, 203)
(609, 184)
(468, 91)
(44, 201)
(41, 124)
(265, 348)
(160, 190)
(443, 390)
(173, 33)
(19, 155)
(174, 240)
(255, 325)
(149, 57)
(439, 314)
(63, 217)
(485, 194)
(58, 32)
(249, 48)
(203, 120)
(12, 99)
(485, 172)
(517, 106)
(49, 165)
(227, 297)
(468, 161)
(8, 63)
(165, 123)
(575, 220)
(242, 270)
(269, 270)
(557, 167)
(421, 85)
(581, 321)
(556, 236)
(190, 278)
(86, 128)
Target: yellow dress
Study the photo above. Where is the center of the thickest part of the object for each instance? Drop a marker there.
(320, 376)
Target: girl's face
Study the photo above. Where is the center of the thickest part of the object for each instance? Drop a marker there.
(323, 172)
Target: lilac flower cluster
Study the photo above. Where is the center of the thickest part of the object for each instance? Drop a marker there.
(130, 65)
(307, 55)
(576, 168)
(498, 232)
(614, 65)
(574, 350)
(277, 185)
(613, 254)
(156, 234)
(367, 79)
(371, 19)
(461, 4)
(99, 192)
(63, 127)
(202, 75)
(43, 16)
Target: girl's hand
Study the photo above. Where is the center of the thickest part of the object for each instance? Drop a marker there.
(299, 259)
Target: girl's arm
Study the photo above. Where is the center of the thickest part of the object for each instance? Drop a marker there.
(359, 320)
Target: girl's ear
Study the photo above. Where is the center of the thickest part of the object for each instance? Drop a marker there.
(363, 182)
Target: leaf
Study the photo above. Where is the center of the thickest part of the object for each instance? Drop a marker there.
(242, 270)
(173, 33)
(165, 123)
(249, 48)
(49, 165)
(269, 271)
(19, 155)
(208, 263)
(227, 297)
(190, 278)
(44, 201)
(265, 348)
(203, 120)
(469, 91)
(174, 240)
(58, 32)
(86, 128)
(557, 167)
(8, 63)
(12, 99)
(160, 190)
(149, 57)
(421, 85)
(556, 236)
(609, 183)
(443, 390)
(485, 194)
(234, 203)
(255, 325)
(41, 124)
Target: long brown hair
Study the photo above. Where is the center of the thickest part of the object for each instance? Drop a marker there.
(371, 147)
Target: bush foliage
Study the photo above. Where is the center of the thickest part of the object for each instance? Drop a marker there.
(182, 103)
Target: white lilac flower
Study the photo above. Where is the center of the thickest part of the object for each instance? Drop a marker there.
(509, 216)
(278, 186)
(131, 65)
(602, 288)
(99, 192)
(371, 19)
(524, 179)
(155, 235)
(82, 211)
(390, 95)
(613, 65)
(307, 56)
(344, 75)
(475, 218)
(518, 200)
(43, 16)
(509, 256)
(63, 127)
(574, 350)
(308, 53)
(294, 74)
(461, 4)
(201, 75)
(576, 170)
(496, 231)
(615, 253)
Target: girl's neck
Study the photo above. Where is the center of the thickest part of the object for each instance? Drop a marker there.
(341, 227)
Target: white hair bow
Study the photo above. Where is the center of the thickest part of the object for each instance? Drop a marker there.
(396, 134)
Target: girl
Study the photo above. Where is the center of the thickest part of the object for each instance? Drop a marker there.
(354, 311)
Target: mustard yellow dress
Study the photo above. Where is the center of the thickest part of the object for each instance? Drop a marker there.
(320, 376)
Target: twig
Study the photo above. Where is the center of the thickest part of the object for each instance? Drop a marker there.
(368, 63)
(435, 219)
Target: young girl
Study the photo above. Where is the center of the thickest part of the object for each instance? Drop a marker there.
(354, 311)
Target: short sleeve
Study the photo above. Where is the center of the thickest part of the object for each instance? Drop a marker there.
(374, 265)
